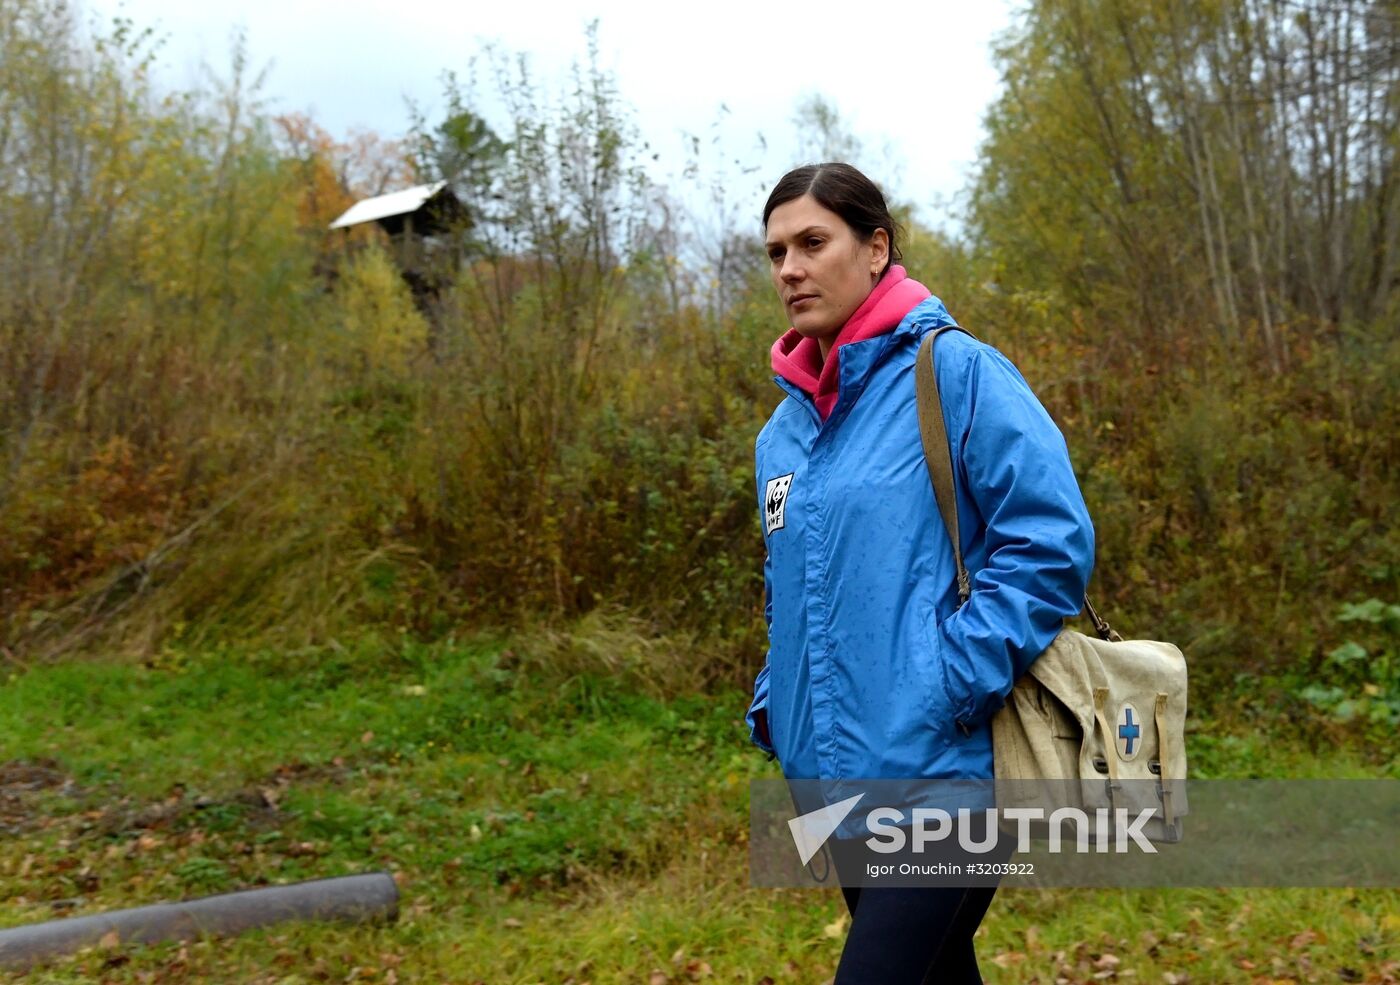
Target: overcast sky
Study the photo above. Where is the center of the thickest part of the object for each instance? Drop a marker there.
(912, 85)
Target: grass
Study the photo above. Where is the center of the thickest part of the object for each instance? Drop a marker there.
(541, 828)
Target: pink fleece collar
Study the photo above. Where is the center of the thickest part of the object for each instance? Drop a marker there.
(799, 360)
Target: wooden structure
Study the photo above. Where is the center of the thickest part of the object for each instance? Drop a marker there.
(422, 223)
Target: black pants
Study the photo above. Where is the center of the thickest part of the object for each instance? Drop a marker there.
(912, 936)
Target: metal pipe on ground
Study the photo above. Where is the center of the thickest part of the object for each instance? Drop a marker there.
(355, 899)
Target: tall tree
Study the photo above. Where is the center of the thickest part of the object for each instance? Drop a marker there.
(1230, 162)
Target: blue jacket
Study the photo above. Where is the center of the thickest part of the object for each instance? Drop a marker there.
(873, 670)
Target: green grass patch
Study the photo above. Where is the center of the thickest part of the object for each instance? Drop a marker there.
(543, 828)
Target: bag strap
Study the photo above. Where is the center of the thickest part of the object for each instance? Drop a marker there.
(933, 431)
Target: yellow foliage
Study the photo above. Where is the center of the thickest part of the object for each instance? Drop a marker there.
(377, 314)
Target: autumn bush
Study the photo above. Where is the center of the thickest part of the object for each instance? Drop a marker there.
(1203, 290)
(156, 293)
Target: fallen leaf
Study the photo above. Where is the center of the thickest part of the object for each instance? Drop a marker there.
(837, 927)
(513, 923)
(1240, 918)
(1307, 937)
(110, 940)
(658, 977)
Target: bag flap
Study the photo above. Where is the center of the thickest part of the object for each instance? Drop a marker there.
(1134, 673)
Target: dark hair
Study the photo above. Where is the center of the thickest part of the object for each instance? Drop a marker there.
(844, 190)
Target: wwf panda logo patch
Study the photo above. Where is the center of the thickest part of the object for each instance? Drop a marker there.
(775, 502)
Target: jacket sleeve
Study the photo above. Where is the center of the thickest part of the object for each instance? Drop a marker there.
(759, 706)
(1039, 539)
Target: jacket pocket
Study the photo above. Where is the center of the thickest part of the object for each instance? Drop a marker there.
(944, 701)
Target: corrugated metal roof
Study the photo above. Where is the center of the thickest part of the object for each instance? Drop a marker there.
(383, 206)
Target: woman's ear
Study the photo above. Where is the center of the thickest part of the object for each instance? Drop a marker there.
(879, 251)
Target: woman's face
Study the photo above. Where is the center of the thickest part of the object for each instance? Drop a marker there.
(821, 270)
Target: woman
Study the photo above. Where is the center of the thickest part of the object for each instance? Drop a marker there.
(873, 669)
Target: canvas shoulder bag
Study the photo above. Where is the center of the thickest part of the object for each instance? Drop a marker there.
(1095, 722)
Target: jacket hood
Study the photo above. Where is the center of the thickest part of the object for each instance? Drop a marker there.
(925, 316)
(799, 361)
